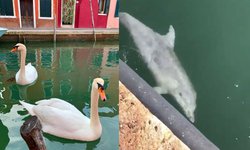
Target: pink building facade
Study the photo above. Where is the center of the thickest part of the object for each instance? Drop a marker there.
(98, 14)
(113, 16)
(59, 13)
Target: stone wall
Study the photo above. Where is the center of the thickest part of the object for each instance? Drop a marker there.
(139, 129)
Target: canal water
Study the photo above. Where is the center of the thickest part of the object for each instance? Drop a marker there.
(212, 43)
(65, 71)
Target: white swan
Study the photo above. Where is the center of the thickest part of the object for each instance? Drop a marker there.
(26, 74)
(62, 119)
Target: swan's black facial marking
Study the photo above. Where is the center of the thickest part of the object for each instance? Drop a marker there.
(15, 48)
(101, 92)
(180, 94)
(100, 86)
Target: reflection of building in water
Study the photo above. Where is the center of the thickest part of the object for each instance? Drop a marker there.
(4, 136)
(110, 60)
(66, 59)
(46, 58)
(97, 60)
(12, 59)
(47, 88)
(65, 72)
(109, 68)
(14, 92)
(30, 57)
(65, 87)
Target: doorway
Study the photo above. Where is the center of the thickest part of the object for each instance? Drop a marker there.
(68, 13)
(27, 18)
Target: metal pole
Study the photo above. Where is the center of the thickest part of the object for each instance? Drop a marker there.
(92, 18)
(54, 27)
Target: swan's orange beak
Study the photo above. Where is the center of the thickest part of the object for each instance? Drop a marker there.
(102, 94)
(14, 49)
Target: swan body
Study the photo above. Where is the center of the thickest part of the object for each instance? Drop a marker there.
(30, 75)
(27, 74)
(62, 119)
(158, 53)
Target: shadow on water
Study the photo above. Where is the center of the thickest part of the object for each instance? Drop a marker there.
(65, 71)
(89, 145)
(4, 133)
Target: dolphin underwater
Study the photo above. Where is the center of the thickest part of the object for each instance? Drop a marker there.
(158, 53)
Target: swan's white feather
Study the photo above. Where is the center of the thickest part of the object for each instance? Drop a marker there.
(62, 119)
(30, 74)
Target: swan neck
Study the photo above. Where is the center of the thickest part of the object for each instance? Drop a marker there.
(94, 115)
(22, 63)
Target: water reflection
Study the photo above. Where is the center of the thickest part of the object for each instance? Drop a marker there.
(66, 59)
(22, 92)
(65, 87)
(46, 58)
(47, 88)
(4, 133)
(66, 72)
(12, 59)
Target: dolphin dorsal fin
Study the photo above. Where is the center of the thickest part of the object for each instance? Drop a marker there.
(170, 37)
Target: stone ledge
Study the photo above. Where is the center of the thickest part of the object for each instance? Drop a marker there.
(139, 129)
(13, 35)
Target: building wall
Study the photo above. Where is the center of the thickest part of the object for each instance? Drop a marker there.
(101, 21)
(83, 16)
(59, 9)
(84, 19)
(11, 22)
(113, 22)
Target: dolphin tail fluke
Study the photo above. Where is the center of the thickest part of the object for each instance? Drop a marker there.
(170, 36)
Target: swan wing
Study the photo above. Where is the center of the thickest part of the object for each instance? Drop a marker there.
(31, 73)
(59, 122)
(17, 75)
(59, 104)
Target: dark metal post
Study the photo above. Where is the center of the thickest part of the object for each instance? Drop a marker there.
(31, 133)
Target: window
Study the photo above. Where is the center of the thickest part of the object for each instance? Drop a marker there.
(117, 8)
(103, 6)
(6, 8)
(45, 8)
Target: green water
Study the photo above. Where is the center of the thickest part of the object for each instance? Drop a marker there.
(212, 43)
(65, 71)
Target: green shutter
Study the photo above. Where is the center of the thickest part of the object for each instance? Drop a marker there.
(117, 8)
(45, 8)
(106, 9)
(6, 8)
